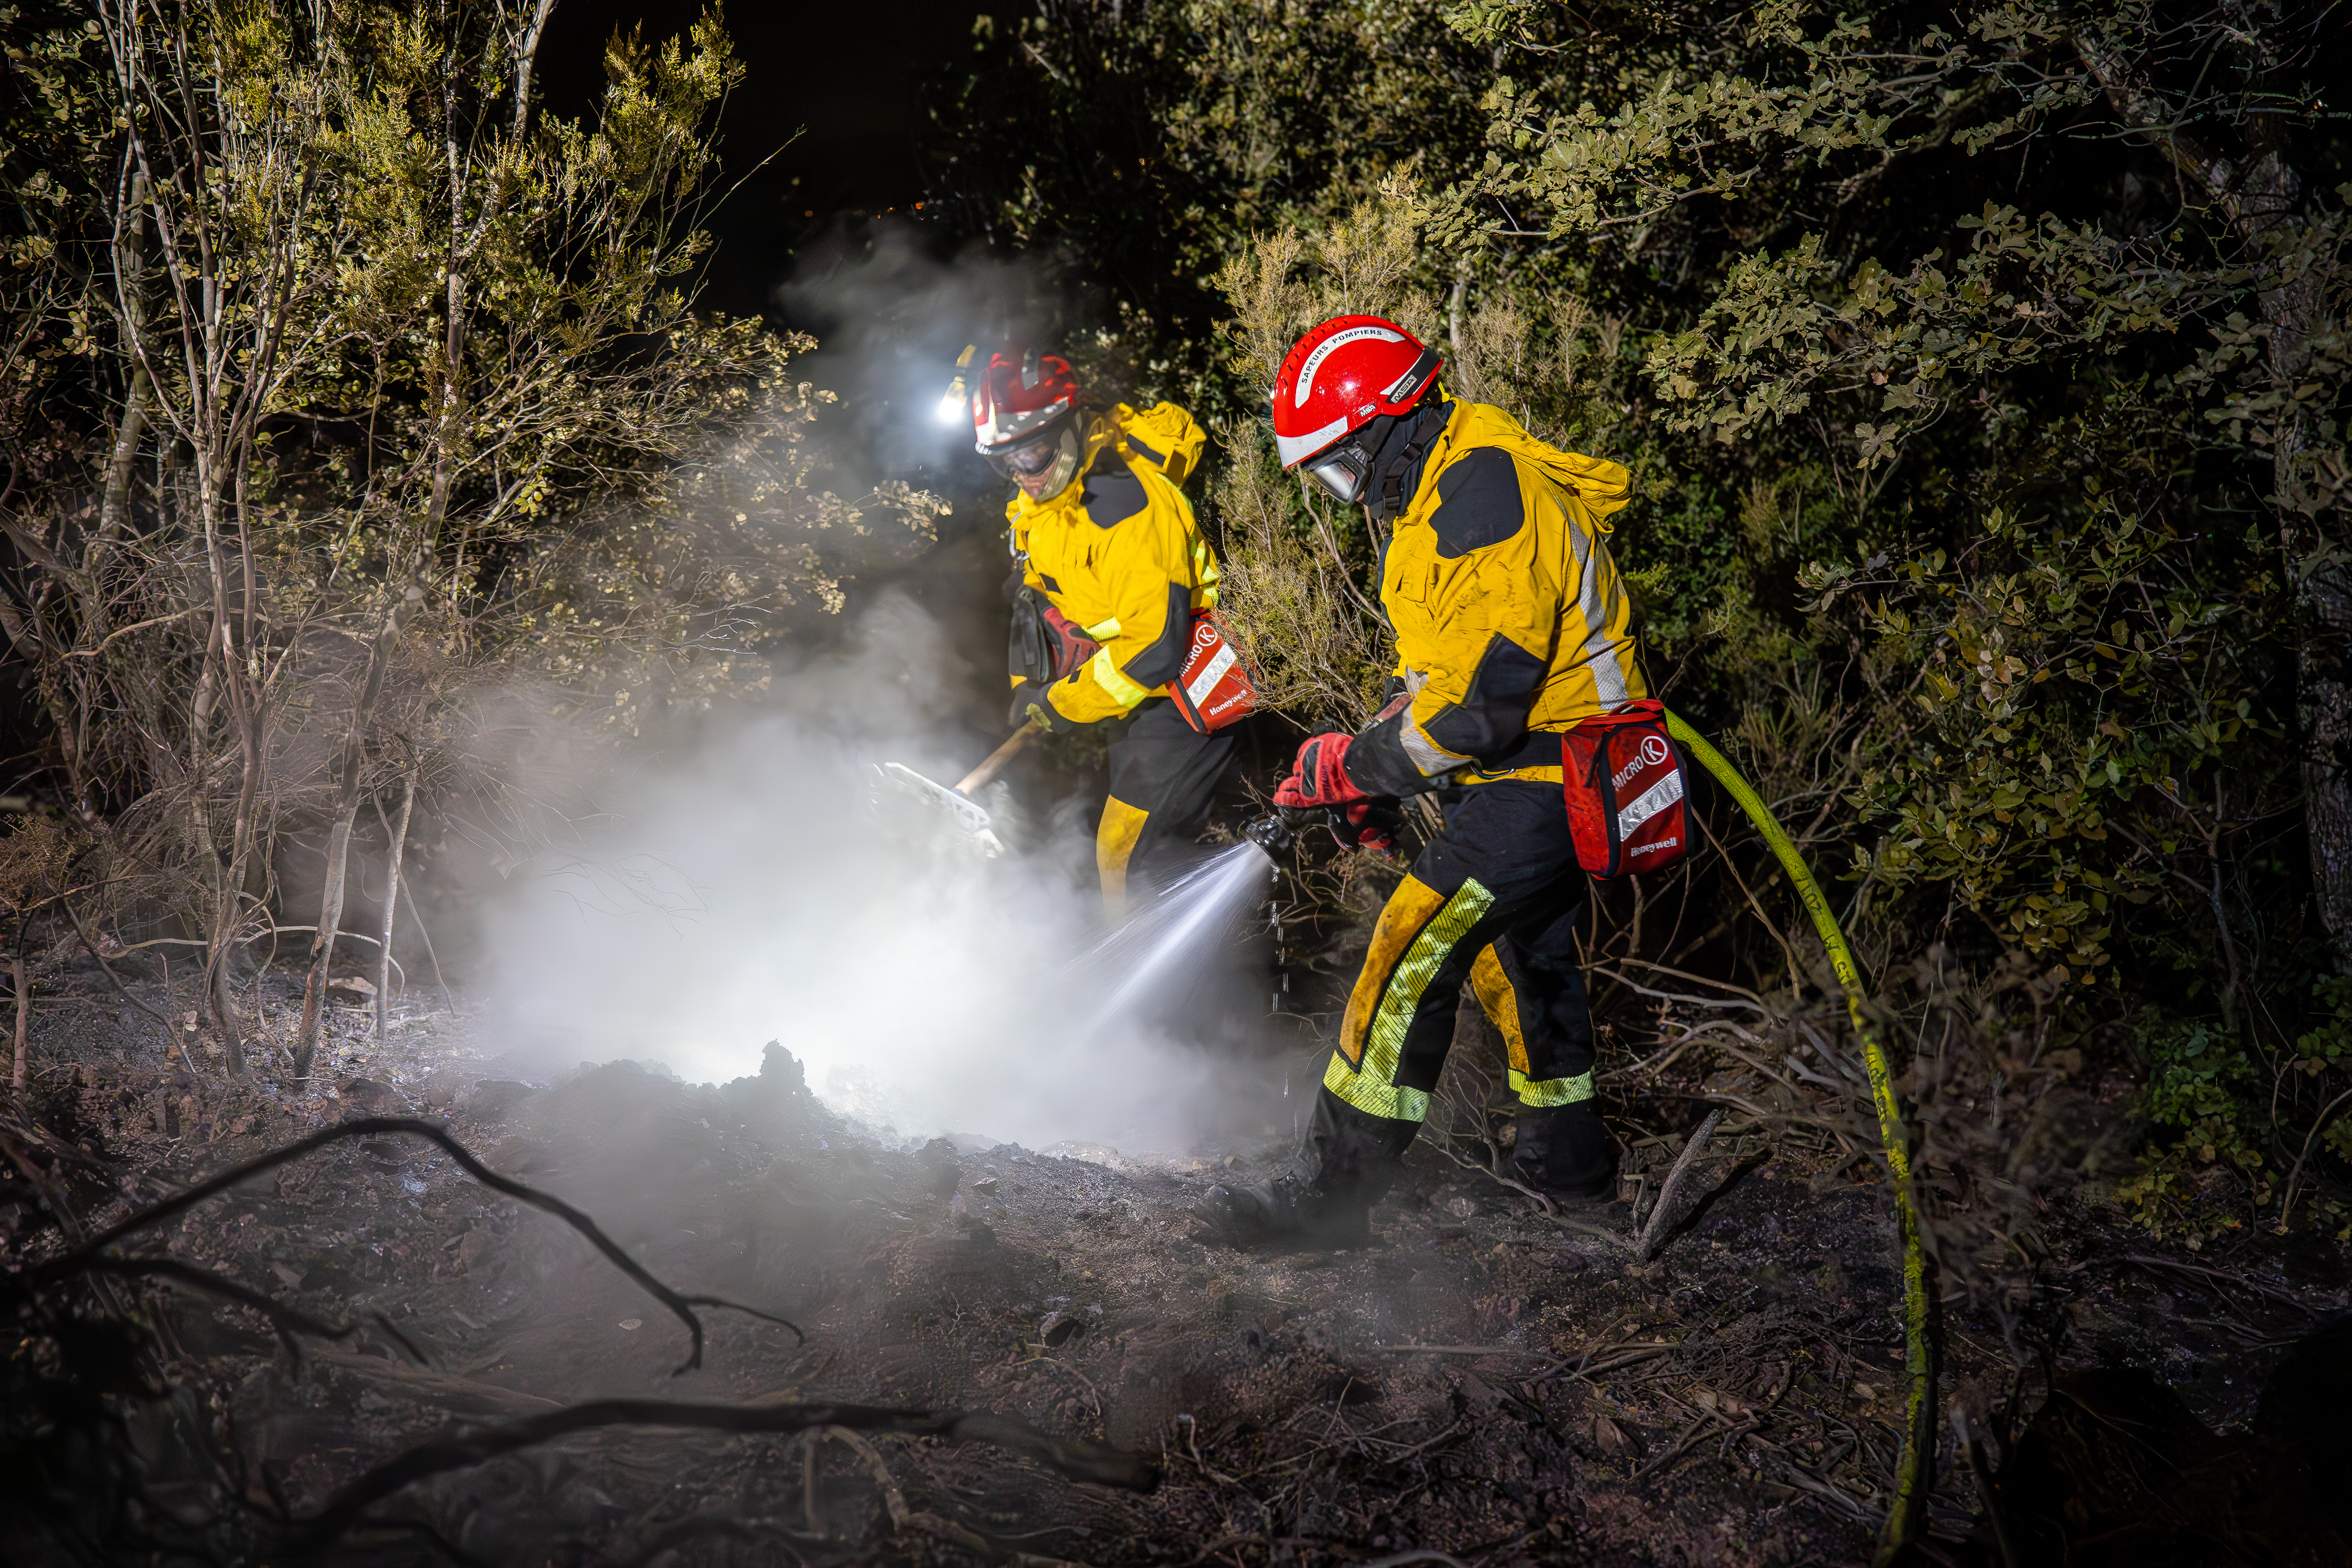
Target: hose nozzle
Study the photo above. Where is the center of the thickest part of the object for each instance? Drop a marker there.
(1277, 829)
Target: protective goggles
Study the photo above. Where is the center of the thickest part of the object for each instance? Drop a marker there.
(1041, 464)
(1029, 459)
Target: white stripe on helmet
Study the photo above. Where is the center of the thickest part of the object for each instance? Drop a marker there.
(1323, 350)
(1291, 448)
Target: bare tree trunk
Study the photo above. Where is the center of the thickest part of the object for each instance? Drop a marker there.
(114, 510)
(399, 841)
(228, 882)
(24, 1014)
(2328, 766)
(526, 55)
(212, 991)
(339, 837)
(331, 914)
(232, 891)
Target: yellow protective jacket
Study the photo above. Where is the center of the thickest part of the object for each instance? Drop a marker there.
(1512, 624)
(1117, 552)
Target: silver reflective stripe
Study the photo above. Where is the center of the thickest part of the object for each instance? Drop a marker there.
(1600, 652)
(1432, 759)
(1206, 682)
(1424, 752)
(1652, 801)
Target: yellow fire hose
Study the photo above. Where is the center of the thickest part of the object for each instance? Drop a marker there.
(1915, 1467)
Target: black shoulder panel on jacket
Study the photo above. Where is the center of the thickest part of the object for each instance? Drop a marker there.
(1163, 661)
(1493, 714)
(1113, 494)
(1477, 502)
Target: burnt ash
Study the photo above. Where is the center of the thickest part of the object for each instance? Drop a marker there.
(1484, 1379)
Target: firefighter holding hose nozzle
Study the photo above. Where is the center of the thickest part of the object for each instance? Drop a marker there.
(1111, 576)
(1512, 628)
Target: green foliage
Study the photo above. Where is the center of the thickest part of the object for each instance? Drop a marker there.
(2194, 1099)
(1983, 377)
(2081, 670)
(329, 365)
(1151, 142)
(2023, 292)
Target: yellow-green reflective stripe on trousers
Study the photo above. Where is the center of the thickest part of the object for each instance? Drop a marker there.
(1372, 1089)
(1543, 1092)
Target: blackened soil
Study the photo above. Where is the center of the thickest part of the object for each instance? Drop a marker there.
(1484, 1380)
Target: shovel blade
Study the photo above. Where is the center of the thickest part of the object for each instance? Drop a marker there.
(964, 813)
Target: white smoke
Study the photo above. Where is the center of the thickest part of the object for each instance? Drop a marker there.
(743, 894)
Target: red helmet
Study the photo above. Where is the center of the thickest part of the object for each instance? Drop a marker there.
(1337, 379)
(1022, 420)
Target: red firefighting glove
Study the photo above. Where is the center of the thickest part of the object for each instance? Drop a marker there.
(1320, 777)
(1366, 825)
(1066, 644)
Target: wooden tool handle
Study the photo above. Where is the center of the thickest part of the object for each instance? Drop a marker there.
(997, 759)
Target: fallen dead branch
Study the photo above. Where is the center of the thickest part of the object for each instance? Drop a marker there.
(1094, 1395)
(287, 1321)
(1654, 1233)
(1073, 1458)
(91, 1259)
(2222, 1276)
(894, 1500)
(1612, 1357)
(86, 1258)
(1695, 1432)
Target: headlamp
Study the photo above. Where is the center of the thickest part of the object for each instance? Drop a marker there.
(952, 400)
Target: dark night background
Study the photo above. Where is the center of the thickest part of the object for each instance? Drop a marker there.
(825, 236)
(843, 84)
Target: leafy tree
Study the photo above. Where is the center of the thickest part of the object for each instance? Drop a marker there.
(347, 394)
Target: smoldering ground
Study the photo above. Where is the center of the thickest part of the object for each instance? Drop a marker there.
(738, 890)
(1480, 1380)
(750, 890)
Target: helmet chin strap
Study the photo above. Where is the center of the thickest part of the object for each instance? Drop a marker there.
(1404, 449)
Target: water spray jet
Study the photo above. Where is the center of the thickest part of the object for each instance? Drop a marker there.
(1164, 941)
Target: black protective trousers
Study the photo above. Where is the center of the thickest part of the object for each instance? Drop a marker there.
(1495, 900)
(1163, 780)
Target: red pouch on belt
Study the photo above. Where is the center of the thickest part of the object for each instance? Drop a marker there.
(1623, 775)
(1216, 688)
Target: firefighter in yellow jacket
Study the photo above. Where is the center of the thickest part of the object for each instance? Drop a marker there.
(1512, 626)
(1110, 570)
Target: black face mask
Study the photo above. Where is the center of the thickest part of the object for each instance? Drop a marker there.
(1395, 467)
(1370, 467)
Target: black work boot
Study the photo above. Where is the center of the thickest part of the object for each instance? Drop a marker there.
(1285, 1209)
(1564, 1153)
(1325, 1199)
